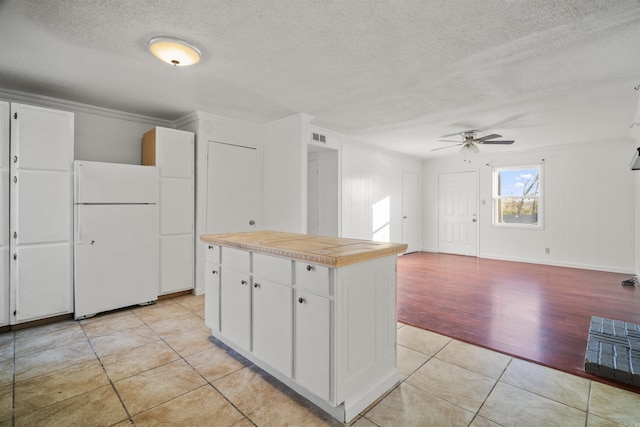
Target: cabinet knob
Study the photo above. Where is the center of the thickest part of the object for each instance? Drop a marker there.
(301, 300)
(252, 222)
(256, 285)
(310, 268)
(243, 282)
(214, 271)
(210, 246)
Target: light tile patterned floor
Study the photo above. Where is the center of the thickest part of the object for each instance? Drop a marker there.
(158, 365)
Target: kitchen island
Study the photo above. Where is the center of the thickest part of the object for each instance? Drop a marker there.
(318, 313)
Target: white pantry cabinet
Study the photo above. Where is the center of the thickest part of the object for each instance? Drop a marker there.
(172, 152)
(41, 213)
(4, 213)
(327, 332)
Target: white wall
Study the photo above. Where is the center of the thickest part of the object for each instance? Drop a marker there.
(589, 207)
(635, 143)
(108, 139)
(372, 192)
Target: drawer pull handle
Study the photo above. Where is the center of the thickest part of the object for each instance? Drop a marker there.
(256, 285)
(310, 268)
(243, 282)
(301, 300)
(214, 271)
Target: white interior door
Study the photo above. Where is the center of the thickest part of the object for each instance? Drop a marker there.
(457, 206)
(410, 210)
(231, 188)
(41, 212)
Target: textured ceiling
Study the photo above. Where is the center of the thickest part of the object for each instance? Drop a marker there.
(395, 73)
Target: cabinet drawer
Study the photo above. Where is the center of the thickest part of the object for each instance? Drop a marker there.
(212, 253)
(313, 277)
(236, 259)
(272, 268)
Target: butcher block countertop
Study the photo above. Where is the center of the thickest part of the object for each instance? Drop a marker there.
(328, 251)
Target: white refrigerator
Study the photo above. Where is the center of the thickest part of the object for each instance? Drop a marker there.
(116, 258)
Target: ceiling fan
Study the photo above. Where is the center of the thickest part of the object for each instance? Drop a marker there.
(469, 141)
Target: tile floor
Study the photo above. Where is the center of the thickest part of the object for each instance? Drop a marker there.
(158, 365)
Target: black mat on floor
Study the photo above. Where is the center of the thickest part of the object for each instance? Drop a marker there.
(613, 350)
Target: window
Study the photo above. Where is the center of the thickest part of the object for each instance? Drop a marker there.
(517, 196)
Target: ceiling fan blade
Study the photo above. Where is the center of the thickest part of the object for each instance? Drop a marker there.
(492, 136)
(448, 146)
(450, 140)
(505, 142)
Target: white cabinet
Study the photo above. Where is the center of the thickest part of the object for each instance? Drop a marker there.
(272, 312)
(328, 333)
(212, 287)
(172, 152)
(273, 324)
(235, 306)
(41, 212)
(4, 213)
(313, 343)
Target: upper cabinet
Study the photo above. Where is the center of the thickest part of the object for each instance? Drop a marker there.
(172, 152)
(41, 203)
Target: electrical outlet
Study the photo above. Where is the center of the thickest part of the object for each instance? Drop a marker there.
(547, 250)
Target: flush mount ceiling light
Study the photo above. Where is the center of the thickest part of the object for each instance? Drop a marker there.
(174, 51)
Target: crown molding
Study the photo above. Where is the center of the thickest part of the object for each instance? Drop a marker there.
(62, 104)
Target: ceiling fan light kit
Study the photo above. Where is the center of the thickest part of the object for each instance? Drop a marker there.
(469, 141)
(469, 149)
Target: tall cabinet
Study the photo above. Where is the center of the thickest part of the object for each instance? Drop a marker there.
(172, 152)
(4, 213)
(41, 215)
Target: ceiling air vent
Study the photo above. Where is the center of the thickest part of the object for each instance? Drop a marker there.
(635, 161)
(316, 137)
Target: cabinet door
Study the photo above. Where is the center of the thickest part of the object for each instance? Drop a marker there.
(41, 212)
(273, 324)
(4, 213)
(174, 153)
(176, 205)
(312, 343)
(235, 314)
(176, 263)
(212, 296)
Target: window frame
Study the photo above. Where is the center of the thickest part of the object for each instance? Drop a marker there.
(495, 198)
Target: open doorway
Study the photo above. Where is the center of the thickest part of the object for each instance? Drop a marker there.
(322, 191)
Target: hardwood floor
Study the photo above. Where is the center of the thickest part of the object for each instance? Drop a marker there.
(535, 312)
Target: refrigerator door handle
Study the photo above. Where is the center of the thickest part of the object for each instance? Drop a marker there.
(78, 230)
